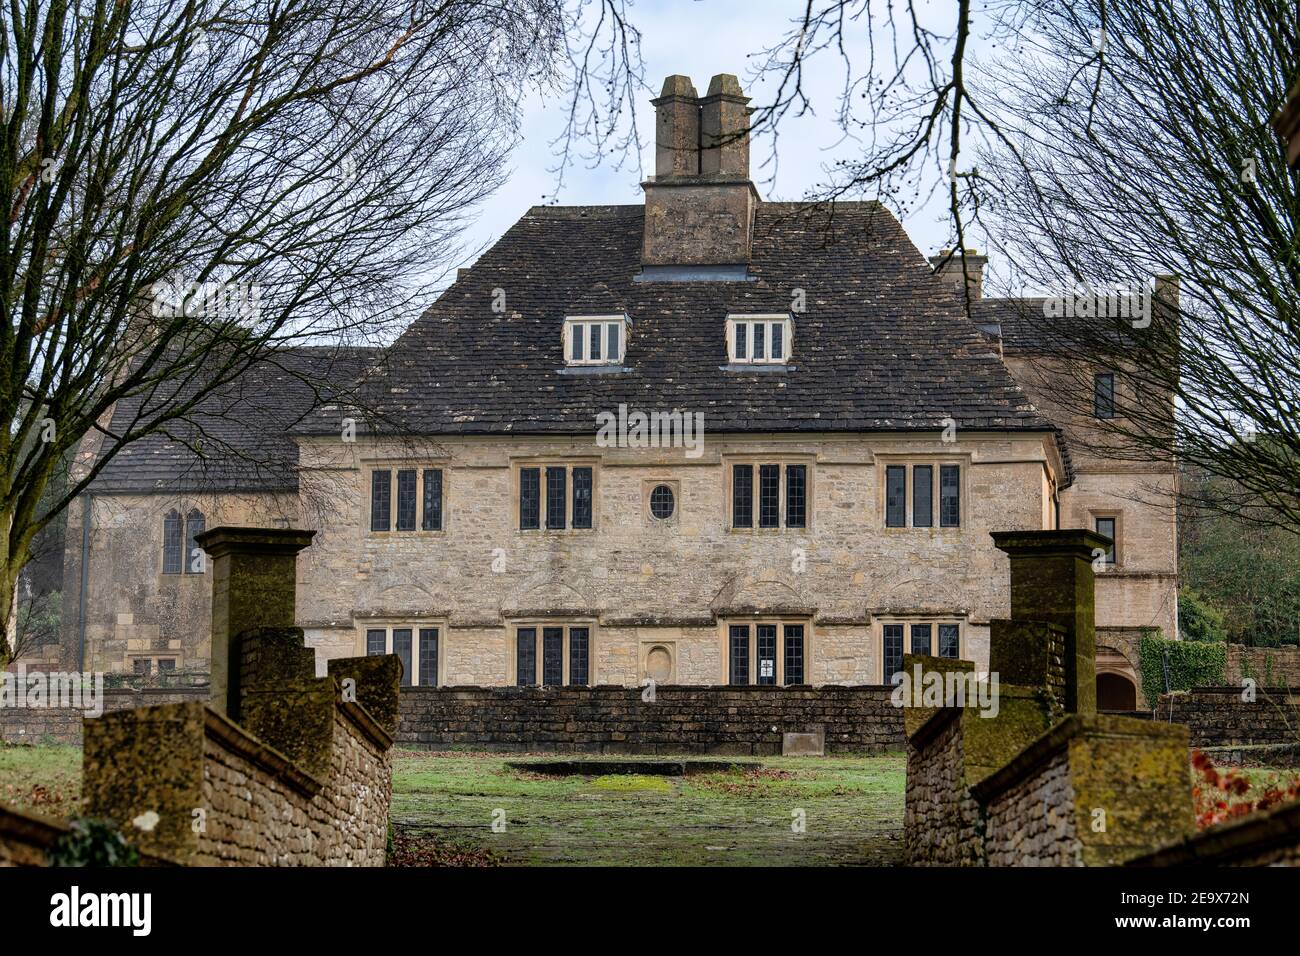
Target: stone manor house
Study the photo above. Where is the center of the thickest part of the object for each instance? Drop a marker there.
(862, 435)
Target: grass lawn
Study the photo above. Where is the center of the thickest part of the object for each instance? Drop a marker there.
(46, 779)
(851, 809)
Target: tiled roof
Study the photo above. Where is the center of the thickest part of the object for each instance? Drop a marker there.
(242, 431)
(882, 344)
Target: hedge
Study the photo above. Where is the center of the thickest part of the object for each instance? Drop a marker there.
(1191, 664)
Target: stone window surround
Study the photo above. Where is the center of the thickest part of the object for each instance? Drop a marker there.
(1118, 516)
(512, 629)
(542, 462)
(963, 461)
(724, 644)
(389, 623)
(787, 339)
(585, 321)
(185, 511)
(648, 485)
(878, 623)
(153, 657)
(370, 466)
(782, 459)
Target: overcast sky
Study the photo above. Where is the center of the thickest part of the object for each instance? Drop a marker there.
(698, 38)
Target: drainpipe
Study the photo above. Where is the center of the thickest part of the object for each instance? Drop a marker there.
(87, 506)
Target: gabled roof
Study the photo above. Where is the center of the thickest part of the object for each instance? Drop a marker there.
(882, 344)
(241, 431)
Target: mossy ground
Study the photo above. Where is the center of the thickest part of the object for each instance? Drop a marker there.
(44, 779)
(852, 809)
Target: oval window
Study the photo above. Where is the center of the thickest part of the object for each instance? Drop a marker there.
(661, 502)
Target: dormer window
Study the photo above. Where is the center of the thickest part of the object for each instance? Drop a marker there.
(595, 340)
(759, 339)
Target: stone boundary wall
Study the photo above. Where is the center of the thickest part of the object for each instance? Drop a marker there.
(1271, 838)
(617, 720)
(1092, 791)
(26, 839)
(941, 821)
(1218, 717)
(265, 811)
(62, 725)
(1273, 666)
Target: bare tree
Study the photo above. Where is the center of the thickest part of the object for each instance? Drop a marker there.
(1165, 164)
(192, 185)
(1100, 142)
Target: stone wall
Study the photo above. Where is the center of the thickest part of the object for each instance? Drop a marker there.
(1218, 717)
(1267, 666)
(1092, 791)
(62, 725)
(941, 821)
(719, 720)
(1271, 838)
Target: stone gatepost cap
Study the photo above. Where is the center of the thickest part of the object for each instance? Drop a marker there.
(227, 539)
(1076, 542)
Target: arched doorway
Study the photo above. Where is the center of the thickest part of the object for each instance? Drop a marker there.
(1115, 692)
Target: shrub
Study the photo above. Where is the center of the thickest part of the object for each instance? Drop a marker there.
(1191, 664)
(1198, 619)
(93, 842)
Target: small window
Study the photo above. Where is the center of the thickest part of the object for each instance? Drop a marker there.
(769, 496)
(595, 341)
(775, 649)
(173, 538)
(418, 493)
(526, 657)
(553, 506)
(782, 496)
(431, 519)
(381, 499)
(582, 497)
(893, 651)
(195, 558)
(402, 648)
(796, 496)
(661, 502)
(428, 657)
(922, 496)
(738, 654)
(555, 495)
(921, 639)
(578, 655)
(563, 657)
(793, 654)
(142, 666)
(742, 496)
(950, 496)
(1106, 527)
(1103, 395)
(166, 665)
(895, 496)
(949, 641)
(406, 481)
(530, 498)
(759, 340)
(376, 642)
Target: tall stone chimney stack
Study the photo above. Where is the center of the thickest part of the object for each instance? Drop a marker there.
(724, 128)
(677, 129)
(699, 205)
